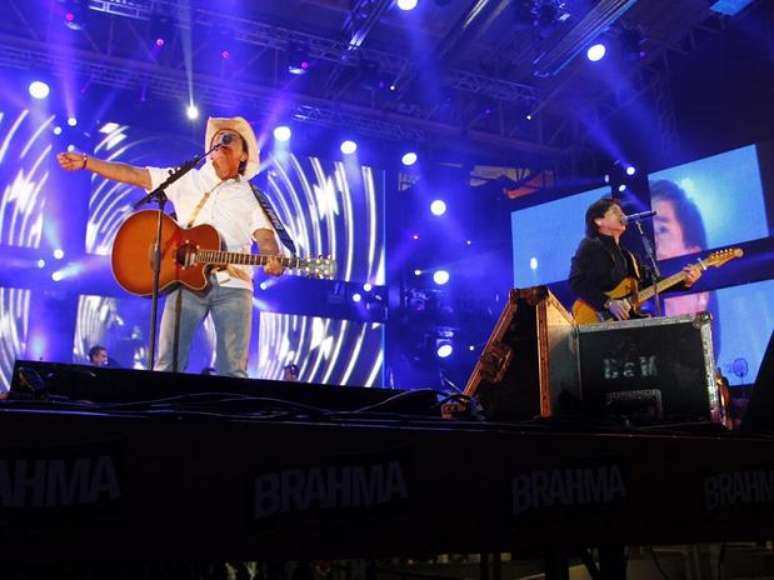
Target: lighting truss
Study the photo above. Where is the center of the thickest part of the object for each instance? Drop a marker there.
(320, 48)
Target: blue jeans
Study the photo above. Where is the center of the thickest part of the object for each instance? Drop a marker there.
(231, 310)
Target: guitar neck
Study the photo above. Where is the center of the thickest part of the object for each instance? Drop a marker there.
(660, 286)
(220, 258)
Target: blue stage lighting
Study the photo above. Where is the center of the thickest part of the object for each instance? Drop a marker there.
(409, 159)
(630, 170)
(438, 207)
(348, 147)
(192, 112)
(282, 133)
(39, 90)
(59, 253)
(440, 277)
(57, 130)
(622, 187)
(356, 297)
(41, 263)
(417, 272)
(596, 52)
(72, 121)
(444, 350)
(367, 287)
(407, 4)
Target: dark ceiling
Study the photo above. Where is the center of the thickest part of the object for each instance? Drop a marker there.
(450, 68)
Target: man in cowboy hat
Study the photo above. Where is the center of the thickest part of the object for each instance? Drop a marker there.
(218, 194)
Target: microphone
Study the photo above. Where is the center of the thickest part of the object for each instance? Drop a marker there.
(636, 217)
(225, 139)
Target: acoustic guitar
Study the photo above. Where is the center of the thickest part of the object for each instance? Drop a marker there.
(628, 289)
(187, 256)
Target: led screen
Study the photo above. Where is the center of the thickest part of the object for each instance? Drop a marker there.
(546, 236)
(709, 203)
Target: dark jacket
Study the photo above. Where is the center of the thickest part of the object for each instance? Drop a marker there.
(599, 265)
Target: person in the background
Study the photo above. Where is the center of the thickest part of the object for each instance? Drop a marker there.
(98, 355)
(679, 230)
(290, 373)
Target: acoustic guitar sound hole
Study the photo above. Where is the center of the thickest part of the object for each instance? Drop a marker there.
(184, 256)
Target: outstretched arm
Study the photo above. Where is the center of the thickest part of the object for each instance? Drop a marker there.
(114, 171)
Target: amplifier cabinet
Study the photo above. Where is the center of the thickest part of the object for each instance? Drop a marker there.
(658, 366)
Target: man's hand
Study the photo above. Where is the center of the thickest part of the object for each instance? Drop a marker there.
(71, 161)
(619, 308)
(274, 266)
(692, 274)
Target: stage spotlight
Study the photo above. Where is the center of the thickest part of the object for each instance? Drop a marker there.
(630, 170)
(529, 117)
(409, 159)
(59, 253)
(162, 30)
(468, 242)
(74, 15)
(58, 276)
(438, 207)
(282, 133)
(407, 5)
(356, 297)
(348, 147)
(72, 121)
(192, 112)
(622, 187)
(471, 347)
(41, 263)
(70, 148)
(440, 277)
(298, 60)
(57, 130)
(596, 52)
(417, 272)
(607, 178)
(444, 350)
(415, 237)
(39, 90)
(533, 263)
(367, 287)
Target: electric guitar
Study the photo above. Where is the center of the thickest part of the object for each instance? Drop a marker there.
(628, 290)
(187, 256)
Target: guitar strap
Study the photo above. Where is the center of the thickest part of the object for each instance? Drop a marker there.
(282, 233)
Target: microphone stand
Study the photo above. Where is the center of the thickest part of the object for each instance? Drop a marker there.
(160, 197)
(653, 264)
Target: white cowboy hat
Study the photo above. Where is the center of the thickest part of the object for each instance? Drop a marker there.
(242, 127)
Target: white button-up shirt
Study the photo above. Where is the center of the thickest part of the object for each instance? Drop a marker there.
(231, 209)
